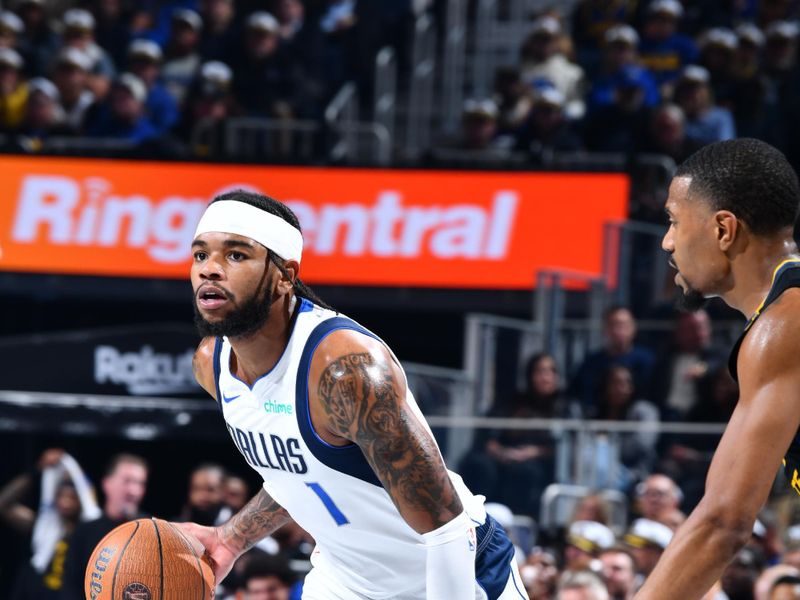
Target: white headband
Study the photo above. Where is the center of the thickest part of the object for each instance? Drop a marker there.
(232, 216)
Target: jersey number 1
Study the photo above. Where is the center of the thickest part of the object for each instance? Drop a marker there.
(334, 511)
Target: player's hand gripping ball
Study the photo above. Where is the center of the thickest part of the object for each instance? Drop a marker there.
(149, 559)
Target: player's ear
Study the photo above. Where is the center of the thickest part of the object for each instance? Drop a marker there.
(727, 228)
(286, 280)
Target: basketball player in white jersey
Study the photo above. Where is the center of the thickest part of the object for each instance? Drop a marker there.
(320, 408)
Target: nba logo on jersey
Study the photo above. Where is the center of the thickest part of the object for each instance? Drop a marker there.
(472, 541)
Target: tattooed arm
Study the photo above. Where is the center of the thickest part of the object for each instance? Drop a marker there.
(224, 544)
(358, 394)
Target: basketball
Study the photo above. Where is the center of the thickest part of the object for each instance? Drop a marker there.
(148, 559)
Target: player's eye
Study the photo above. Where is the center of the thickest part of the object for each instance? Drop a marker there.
(237, 256)
(200, 256)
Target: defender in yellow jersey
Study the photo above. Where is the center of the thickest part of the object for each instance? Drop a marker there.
(732, 207)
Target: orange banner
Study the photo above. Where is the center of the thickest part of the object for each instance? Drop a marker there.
(360, 226)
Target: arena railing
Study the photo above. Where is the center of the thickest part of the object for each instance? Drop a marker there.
(454, 64)
(421, 88)
(257, 137)
(385, 102)
(365, 142)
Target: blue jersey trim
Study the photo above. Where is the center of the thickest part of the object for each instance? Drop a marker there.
(304, 306)
(217, 367)
(346, 459)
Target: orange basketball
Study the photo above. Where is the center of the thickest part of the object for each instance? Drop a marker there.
(148, 559)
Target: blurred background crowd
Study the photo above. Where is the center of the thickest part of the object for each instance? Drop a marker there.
(580, 85)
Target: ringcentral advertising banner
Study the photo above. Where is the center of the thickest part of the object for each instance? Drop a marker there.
(361, 226)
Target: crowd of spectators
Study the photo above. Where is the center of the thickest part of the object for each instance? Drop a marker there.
(591, 555)
(661, 76)
(64, 526)
(145, 74)
(682, 378)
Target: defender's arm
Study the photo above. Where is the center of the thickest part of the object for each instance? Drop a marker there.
(744, 465)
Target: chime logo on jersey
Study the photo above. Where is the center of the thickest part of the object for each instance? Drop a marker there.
(270, 451)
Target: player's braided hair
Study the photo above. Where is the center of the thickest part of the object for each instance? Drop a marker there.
(278, 209)
(748, 177)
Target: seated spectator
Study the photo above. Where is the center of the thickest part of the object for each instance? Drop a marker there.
(71, 77)
(619, 126)
(301, 40)
(592, 508)
(513, 98)
(219, 30)
(786, 587)
(769, 576)
(706, 123)
(585, 541)
(591, 19)
(208, 105)
(619, 331)
(581, 585)
(66, 499)
(539, 574)
(717, 55)
(124, 485)
(44, 116)
(619, 54)
(267, 577)
(682, 365)
(13, 90)
(739, 577)
(112, 29)
(122, 115)
(11, 29)
(662, 49)
(617, 401)
(182, 60)
(514, 467)
(779, 67)
(619, 572)
(666, 134)
(479, 128)
(542, 60)
(751, 102)
(791, 555)
(235, 494)
(79, 33)
(688, 457)
(263, 84)
(144, 61)
(658, 497)
(204, 500)
(38, 43)
(647, 541)
(547, 130)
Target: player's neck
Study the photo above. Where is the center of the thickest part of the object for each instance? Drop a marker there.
(753, 271)
(256, 354)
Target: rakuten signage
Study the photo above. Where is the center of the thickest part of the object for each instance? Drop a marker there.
(361, 227)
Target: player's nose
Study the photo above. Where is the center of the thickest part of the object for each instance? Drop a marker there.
(212, 269)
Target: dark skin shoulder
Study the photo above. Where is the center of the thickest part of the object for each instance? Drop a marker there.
(357, 394)
(203, 366)
(749, 454)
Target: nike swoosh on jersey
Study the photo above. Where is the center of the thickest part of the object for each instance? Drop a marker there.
(230, 398)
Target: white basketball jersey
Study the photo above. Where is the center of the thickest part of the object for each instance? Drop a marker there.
(362, 541)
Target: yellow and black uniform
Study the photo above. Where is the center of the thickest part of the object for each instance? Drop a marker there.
(785, 276)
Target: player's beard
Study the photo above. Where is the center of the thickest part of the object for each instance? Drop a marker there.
(690, 300)
(242, 321)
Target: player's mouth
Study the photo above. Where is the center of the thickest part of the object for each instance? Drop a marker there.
(210, 297)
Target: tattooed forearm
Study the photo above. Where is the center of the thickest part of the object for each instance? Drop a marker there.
(259, 517)
(363, 402)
